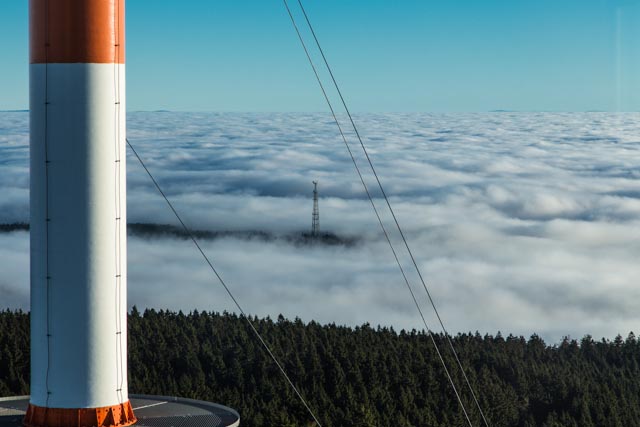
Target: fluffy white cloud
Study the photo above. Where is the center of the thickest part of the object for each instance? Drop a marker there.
(520, 222)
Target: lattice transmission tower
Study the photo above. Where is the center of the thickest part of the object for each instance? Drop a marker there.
(315, 216)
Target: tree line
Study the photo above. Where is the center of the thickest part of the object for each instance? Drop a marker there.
(363, 376)
(151, 230)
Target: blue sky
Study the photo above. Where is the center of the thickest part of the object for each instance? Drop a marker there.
(410, 55)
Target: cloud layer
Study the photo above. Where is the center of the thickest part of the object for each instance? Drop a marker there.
(520, 222)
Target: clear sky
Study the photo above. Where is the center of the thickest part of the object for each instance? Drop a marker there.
(388, 55)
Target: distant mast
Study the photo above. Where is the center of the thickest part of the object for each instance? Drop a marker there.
(315, 216)
(78, 215)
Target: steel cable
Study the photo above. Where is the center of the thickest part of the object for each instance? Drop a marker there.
(444, 365)
(46, 191)
(224, 285)
(118, 202)
(397, 223)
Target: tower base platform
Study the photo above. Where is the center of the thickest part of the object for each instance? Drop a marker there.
(151, 411)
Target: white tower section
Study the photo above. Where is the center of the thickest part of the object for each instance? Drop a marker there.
(78, 215)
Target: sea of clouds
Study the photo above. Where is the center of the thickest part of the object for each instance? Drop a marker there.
(520, 222)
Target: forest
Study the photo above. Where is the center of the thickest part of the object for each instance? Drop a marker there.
(157, 231)
(363, 376)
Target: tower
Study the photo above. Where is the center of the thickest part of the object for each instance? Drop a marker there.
(78, 231)
(78, 215)
(315, 215)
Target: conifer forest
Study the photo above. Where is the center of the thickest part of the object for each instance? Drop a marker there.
(363, 376)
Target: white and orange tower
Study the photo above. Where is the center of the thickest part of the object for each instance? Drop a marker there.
(78, 215)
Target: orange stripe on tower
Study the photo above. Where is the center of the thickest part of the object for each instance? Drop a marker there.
(78, 31)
